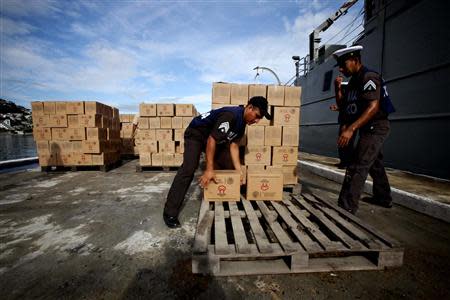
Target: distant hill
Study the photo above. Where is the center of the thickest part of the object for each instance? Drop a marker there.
(14, 118)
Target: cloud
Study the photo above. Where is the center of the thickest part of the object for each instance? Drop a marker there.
(30, 8)
(11, 27)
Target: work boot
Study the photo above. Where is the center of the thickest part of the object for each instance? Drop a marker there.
(171, 222)
(372, 200)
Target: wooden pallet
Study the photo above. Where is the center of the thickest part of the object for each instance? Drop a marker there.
(300, 234)
(140, 168)
(102, 168)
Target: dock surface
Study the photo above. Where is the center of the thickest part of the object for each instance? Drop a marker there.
(96, 235)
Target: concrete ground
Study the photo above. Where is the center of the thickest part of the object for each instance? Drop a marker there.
(94, 235)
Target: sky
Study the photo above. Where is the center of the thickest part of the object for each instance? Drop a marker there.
(122, 53)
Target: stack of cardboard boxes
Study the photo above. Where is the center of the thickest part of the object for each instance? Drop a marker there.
(160, 133)
(76, 133)
(271, 147)
(126, 134)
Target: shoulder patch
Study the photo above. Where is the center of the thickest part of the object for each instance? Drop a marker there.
(370, 86)
(224, 127)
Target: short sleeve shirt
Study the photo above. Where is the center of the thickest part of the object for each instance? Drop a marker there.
(363, 87)
(224, 124)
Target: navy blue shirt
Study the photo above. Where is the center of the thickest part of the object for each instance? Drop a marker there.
(225, 124)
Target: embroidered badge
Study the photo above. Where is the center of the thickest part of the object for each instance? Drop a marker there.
(224, 127)
(370, 86)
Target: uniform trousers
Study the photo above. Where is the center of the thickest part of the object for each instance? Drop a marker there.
(194, 145)
(367, 159)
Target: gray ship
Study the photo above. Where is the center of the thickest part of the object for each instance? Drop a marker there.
(408, 42)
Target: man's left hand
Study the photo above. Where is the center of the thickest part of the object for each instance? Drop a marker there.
(345, 137)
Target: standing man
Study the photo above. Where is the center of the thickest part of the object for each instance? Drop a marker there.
(216, 133)
(362, 112)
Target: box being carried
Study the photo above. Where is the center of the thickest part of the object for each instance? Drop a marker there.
(227, 187)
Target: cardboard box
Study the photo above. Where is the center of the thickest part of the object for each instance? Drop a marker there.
(116, 113)
(218, 105)
(292, 95)
(143, 123)
(40, 134)
(147, 110)
(104, 158)
(255, 135)
(177, 122)
(166, 122)
(61, 107)
(257, 155)
(272, 136)
(221, 93)
(96, 134)
(125, 118)
(290, 136)
(37, 108)
(257, 90)
(77, 146)
(265, 186)
(165, 110)
(154, 123)
(166, 146)
(59, 134)
(93, 108)
(227, 187)
(73, 121)
(76, 134)
(60, 147)
(275, 95)
(285, 156)
(168, 159)
(47, 160)
(145, 158)
(75, 108)
(157, 160)
(184, 110)
(57, 121)
(178, 159)
(146, 134)
(148, 147)
(187, 121)
(255, 168)
(42, 147)
(82, 159)
(49, 107)
(90, 120)
(40, 120)
(164, 134)
(112, 134)
(286, 116)
(94, 146)
(67, 159)
(239, 94)
(178, 134)
(106, 122)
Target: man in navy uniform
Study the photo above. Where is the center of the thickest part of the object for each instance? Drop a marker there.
(217, 133)
(363, 112)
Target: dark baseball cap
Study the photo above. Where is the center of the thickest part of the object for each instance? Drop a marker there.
(261, 103)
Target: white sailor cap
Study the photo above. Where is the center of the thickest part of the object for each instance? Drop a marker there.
(342, 54)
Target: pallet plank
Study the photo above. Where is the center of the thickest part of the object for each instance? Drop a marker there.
(240, 239)
(202, 234)
(321, 238)
(341, 235)
(303, 238)
(220, 233)
(286, 243)
(261, 239)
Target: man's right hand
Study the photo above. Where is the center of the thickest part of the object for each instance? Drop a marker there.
(338, 81)
(206, 178)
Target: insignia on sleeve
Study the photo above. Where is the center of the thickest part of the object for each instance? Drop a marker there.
(224, 127)
(370, 86)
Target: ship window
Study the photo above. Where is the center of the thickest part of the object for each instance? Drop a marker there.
(327, 80)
